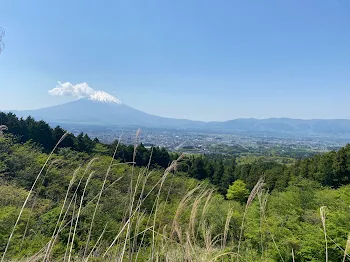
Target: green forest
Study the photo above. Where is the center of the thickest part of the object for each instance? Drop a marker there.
(73, 198)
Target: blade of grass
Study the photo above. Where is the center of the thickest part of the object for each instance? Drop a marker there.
(28, 196)
(323, 220)
(99, 197)
(78, 214)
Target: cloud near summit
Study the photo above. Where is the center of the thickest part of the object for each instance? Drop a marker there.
(82, 90)
(68, 89)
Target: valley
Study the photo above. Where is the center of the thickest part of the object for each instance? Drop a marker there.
(214, 143)
(113, 193)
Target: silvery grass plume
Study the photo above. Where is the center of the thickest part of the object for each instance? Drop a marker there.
(347, 248)
(53, 237)
(257, 188)
(2, 127)
(70, 221)
(323, 219)
(99, 198)
(129, 220)
(262, 197)
(78, 215)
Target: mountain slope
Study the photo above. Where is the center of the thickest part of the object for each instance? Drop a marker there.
(111, 113)
(106, 110)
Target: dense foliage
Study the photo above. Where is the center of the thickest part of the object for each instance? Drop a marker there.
(201, 208)
(330, 169)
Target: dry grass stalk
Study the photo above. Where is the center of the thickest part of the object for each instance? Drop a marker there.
(188, 248)
(135, 211)
(36, 255)
(227, 226)
(148, 221)
(170, 169)
(205, 208)
(51, 242)
(258, 187)
(194, 210)
(78, 214)
(61, 227)
(133, 223)
(207, 237)
(140, 217)
(138, 132)
(129, 220)
(207, 203)
(28, 196)
(99, 197)
(170, 250)
(27, 224)
(131, 217)
(262, 196)
(347, 248)
(141, 177)
(70, 229)
(129, 208)
(87, 169)
(69, 222)
(97, 242)
(55, 161)
(217, 240)
(323, 219)
(139, 205)
(175, 225)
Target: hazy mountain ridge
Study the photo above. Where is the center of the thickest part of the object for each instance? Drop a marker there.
(85, 111)
(289, 125)
(88, 111)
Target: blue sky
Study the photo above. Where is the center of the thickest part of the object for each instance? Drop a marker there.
(204, 60)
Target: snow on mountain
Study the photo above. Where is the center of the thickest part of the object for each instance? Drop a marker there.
(82, 90)
(100, 108)
(103, 109)
(104, 97)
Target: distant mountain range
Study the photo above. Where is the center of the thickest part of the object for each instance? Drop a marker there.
(104, 112)
(111, 112)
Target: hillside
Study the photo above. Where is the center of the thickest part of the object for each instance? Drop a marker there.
(85, 204)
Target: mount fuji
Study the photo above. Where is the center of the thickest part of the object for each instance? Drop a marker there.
(102, 109)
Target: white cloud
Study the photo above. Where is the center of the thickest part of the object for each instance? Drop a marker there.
(68, 89)
(82, 90)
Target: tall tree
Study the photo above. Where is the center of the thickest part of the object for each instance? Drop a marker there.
(228, 176)
(219, 171)
(238, 191)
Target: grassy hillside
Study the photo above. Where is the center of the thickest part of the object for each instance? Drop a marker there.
(79, 206)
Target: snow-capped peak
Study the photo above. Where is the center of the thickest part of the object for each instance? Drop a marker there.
(82, 90)
(104, 97)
